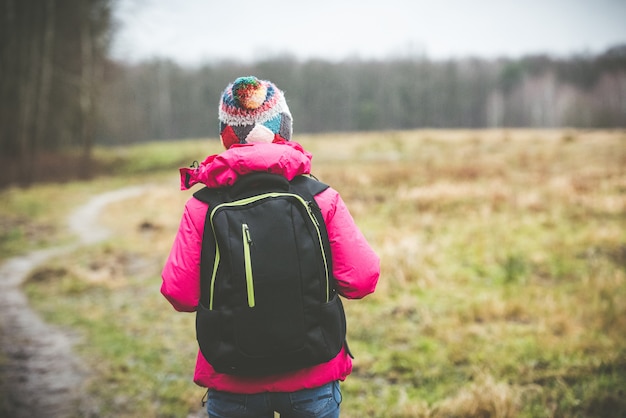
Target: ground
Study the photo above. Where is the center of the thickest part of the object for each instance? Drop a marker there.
(39, 373)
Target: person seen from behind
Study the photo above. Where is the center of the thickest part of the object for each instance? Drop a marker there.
(256, 130)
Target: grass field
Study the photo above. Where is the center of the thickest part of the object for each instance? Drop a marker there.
(502, 293)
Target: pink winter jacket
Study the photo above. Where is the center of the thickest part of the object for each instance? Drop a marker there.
(355, 265)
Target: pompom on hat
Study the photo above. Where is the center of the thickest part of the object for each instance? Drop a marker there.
(253, 110)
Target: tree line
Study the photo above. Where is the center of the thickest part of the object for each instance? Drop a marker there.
(61, 92)
(160, 99)
(51, 66)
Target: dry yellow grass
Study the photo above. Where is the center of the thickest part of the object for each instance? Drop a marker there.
(502, 292)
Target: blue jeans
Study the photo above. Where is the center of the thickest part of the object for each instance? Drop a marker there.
(321, 402)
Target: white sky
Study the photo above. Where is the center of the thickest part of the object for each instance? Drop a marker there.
(196, 31)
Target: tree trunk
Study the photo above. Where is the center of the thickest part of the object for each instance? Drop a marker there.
(45, 75)
(8, 87)
(29, 59)
(87, 85)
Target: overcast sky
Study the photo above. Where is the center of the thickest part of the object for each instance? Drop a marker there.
(196, 31)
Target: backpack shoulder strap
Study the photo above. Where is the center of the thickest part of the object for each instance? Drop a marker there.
(249, 184)
(210, 196)
(304, 184)
(308, 184)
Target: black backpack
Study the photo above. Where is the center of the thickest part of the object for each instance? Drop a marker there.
(268, 300)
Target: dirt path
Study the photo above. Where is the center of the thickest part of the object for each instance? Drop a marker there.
(41, 375)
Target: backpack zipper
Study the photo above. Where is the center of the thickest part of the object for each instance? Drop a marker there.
(249, 280)
(247, 241)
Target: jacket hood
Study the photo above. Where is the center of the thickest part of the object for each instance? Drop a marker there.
(286, 158)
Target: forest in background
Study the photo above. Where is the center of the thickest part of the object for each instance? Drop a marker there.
(163, 100)
(52, 56)
(61, 93)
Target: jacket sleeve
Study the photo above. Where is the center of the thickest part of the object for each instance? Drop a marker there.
(356, 267)
(181, 273)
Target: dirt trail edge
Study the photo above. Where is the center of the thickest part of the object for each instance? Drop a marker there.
(40, 374)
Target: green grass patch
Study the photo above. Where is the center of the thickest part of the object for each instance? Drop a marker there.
(153, 156)
(140, 355)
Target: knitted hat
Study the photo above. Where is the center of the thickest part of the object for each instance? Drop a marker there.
(253, 110)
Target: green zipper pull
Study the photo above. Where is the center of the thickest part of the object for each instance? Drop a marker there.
(247, 242)
(246, 232)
